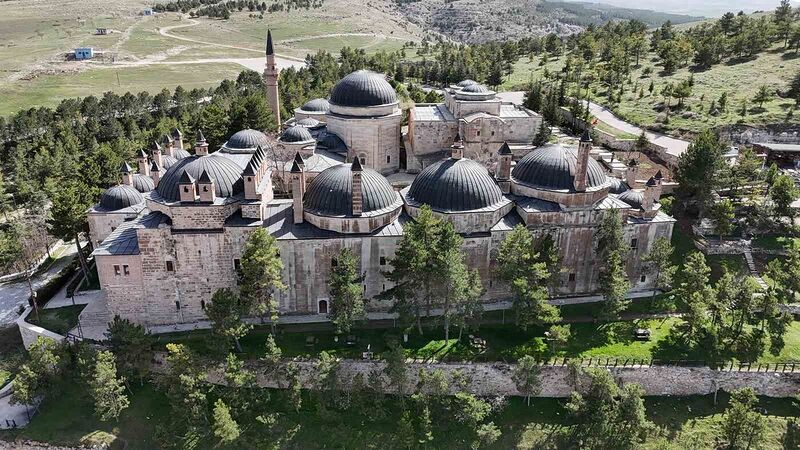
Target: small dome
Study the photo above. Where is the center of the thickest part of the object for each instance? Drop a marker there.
(296, 133)
(180, 153)
(319, 105)
(331, 192)
(363, 88)
(617, 186)
(465, 83)
(247, 139)
(633, 198)
(309, 122)
(120, 196)
(476, 89)
(143, 183)
(552, 167)
(455, 185)
(226, 174)
(168, 161)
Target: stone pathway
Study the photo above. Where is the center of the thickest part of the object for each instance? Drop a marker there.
(751, 265)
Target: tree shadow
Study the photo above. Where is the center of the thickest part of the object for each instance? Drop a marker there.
(740, 60)
(788, 56)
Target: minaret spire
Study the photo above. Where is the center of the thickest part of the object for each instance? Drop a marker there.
(271, 80)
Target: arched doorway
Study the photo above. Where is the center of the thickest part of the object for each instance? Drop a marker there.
(322, 307)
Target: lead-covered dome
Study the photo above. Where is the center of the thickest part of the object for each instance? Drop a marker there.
(634, 199)
(317, 105)
(552, 168)
(247, 140)
(143, 183)
(297, 133)
(617, 186)
(465, 83)
(226, 174)
(120, 197)
(475, 88)
(455, 185)
(180, 153)
(363, 88)
(331, 192)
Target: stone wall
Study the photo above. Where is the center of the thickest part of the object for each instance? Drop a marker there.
(30, 332)
(777, 133)
(487, 379)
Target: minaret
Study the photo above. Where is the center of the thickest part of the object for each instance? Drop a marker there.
(582, 164)
(271, 81)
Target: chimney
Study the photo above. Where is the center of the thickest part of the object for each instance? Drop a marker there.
(582, 164)
(177, 138)
(206, 187)
(166, 141)
(186, 187)
(652, 193)
(358, 193)
(457, 149)
(127, 174)
(250, 177)
(503, 172)
(630, 173)
(298, 158)
(200, 145)
(155, 173)
(156, 152)
(298, 191)
(144, 165)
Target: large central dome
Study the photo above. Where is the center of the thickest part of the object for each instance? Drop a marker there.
(363, 88)
(552, 168)
(455, 185)
(226, 174)
(331, 192)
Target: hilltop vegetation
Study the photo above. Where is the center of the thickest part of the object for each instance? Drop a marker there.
(474, 21)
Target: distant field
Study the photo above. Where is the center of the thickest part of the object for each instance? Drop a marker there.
(740, 79)
(49, 90)
(34, 36)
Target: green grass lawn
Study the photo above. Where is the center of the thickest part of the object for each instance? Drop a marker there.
(57, 320)
(773, 242)
(602, 126)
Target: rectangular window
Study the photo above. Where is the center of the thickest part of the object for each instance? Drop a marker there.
(237, 264)
(334, 262)
(116, 270)
(572, 277)
(643, 278)
(126, 270)
(388, 159)
(634, 244)
(383, 260)
(170, 266)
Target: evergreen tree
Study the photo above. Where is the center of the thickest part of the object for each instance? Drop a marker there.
(611, 251)
(68, 214)
(226, 312)
(260, 275)
(526, 377)
(698, 168)
(347, 299)
(542, 135)
(658, 262)
(38, 377)
(529, 267)
(131, 344)
(225, 428)
(723, 215)
(742, 426)
(107, 389)
(783, 193)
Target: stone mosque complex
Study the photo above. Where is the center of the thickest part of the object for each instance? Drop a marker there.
(172, 233)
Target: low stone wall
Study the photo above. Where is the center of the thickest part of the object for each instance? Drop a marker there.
(490, 379)
(30, 332)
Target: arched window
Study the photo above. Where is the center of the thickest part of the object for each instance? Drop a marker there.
(322, 307)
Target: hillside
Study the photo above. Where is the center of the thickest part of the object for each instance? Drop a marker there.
(475, 21)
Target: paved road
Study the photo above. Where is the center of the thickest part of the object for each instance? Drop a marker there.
(674, 146)
(14, 294)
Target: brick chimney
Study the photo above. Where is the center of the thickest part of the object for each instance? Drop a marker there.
(187, 189)
(652, 193)
(155, 173)
(177, 138)
(144, 165)
(357, 191)
(205, 185)
(200, 144)
(457, 149)
(167, 145)
(503, 173)
(156, 153)
(127, 174)
(630, 173)
(582, 164)
(298, 190)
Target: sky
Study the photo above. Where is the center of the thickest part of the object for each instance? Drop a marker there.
(707, 8)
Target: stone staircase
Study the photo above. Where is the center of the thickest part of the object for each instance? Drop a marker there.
(94, 318)
(751, 265)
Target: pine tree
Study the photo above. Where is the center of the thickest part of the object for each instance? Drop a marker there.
(743, 426)
(347, 299)
(132, 347)
(68, 214)
(526, 377)
(226, 312)
(542, 134)
(225, 428)
(611, 251)
(260, 275)
(659, 263)
(107, 389)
